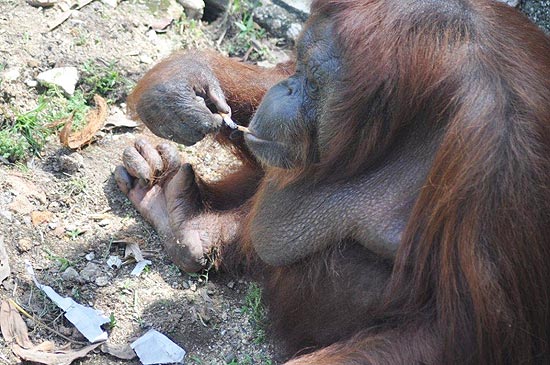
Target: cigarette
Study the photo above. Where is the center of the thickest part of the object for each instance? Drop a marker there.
(231, 124)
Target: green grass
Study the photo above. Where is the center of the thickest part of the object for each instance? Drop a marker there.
(25, 134)
(63, 262)
(256, 311)
(104, 80)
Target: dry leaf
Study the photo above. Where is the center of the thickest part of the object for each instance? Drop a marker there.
(39, 217)
(95, 120)
(133, 250)
(16, 336)
(60, 357)
(13, 327)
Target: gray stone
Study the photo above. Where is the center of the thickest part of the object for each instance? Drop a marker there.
(194, 9)
(64, 77)
(277, 21)
(24, 245)
(297, 7)
(90, 273)
(102, 281)
(71, 275)
(69, 163)
(11, 74)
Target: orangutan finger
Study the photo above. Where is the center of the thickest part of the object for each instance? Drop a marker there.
(136, 165)
(123, 179)
(151, 155)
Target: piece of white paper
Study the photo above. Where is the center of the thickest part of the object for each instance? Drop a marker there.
(140, 266)
(155, 348)
(87, 320)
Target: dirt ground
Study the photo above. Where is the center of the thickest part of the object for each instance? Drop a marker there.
(62, 209)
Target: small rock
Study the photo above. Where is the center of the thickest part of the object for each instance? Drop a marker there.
(24, 245)
(11, 74)
(194, 9)
(231, 284)
(90, 273)
(71, 275)
(104, 222)
(53, 225)
(145, 58)
(64, 77)
(185, 285)
(33, 63)
(31, 83)
(102, 281)
(21, 205)
(39, 217)
(54, 206)
(7, 215)
(69, 163)
(90, 256)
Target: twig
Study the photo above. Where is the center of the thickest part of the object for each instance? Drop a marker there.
(231, 124)
(28, 315)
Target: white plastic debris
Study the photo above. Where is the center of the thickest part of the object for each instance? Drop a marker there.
(155, 348)
(87, 320)
(114, 262)
(140, 266)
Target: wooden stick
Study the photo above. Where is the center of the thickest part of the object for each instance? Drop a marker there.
(231, 124)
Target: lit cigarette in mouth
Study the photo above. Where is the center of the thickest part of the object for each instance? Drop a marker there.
(231, 124)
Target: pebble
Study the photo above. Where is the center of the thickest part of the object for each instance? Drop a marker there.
(90, 256)
(102, 281)
(90, 273)
(7, 215)
(145, 58)
(71, 275)
(231, 284)
(104, 222)
(31, 83)
(24, 245)
(69, 163)
(11, 74)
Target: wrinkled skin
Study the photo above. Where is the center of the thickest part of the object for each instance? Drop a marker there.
(289, 113)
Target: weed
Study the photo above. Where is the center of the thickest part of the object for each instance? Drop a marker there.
(74, 233)
(77, 186)
(194, 359)
(103, 80)
(112, 321)
(255, 309)
(190, 30)
(247, 34)
(27, 132)
(63, 262)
